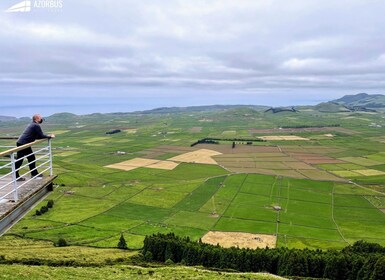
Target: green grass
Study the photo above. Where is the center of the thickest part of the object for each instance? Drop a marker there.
(322, 210)
(200, 195)
(242, 225)
(133, 241)
(152, 228)
(192, 219)
(310, 232)
(18, 272)
(351, 201)
(73, 234)
(140, 212)
(310, 219)
(352, 189)
(73, 208)
(311, 243)
(111, 223)
(361, 161)
(158, 198)
(362, 215)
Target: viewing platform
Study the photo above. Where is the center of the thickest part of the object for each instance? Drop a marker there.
(18, 196)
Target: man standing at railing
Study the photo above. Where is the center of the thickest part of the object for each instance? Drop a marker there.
(30, 134)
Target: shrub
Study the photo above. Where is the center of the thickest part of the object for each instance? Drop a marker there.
(43, 209)
(148, 256)
(50, 203)
(122, 243)
(61, 243)
(169, 262)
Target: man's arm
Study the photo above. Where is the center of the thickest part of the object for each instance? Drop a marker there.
(40, 134)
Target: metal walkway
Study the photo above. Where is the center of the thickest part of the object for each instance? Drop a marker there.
(17, 197)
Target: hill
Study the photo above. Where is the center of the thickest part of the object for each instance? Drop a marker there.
(331, 107)
(168, 110)
(363, 100)
(7, 118)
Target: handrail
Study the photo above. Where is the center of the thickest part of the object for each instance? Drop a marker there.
(10, 184)
(9, 138)
(16, 149)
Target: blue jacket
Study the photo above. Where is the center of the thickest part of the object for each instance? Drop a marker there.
(31, 133)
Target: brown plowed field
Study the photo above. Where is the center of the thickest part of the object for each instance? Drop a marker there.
(240, 239)
(320, 175)
(239, 149)
(297, 130)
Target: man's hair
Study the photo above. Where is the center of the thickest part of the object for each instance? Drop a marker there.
(34, 117)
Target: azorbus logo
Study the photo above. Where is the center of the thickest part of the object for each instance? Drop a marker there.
(26, 6)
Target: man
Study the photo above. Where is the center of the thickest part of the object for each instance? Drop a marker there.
(30, 134)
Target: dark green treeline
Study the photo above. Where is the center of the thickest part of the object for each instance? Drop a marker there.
(361, 260)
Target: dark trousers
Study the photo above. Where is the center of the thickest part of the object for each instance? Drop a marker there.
(31, 158)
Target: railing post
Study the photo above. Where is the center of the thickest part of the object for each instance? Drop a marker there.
(50, 157)
(14, 179)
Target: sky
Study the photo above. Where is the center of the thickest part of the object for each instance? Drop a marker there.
(107, 56)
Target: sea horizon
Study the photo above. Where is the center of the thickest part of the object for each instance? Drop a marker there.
(21, 111)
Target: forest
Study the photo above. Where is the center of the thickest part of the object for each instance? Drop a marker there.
(361, 260)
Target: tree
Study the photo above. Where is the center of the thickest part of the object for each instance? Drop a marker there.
(148, 256)
(122, 243)
(62, 242)
(379, 270)
(50, 203)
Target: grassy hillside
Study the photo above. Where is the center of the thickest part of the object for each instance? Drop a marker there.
(364, 100)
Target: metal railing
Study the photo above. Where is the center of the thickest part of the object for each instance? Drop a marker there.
(9, 184)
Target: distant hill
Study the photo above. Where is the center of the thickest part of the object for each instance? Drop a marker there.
(201, 108)
(7, 118)
(362, 100)
(331, 107)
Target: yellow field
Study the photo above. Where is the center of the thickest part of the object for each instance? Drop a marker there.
(345, 173)
(58, 132)
(240, 239)
(66, 153)
(199, 156)
(130, 130)
(143, 162)
(369, 172)
(229, 132)
(164, 164)
(94, 139)
(283, 138)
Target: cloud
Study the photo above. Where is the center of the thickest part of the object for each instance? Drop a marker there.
(217, 46)
(307, 64)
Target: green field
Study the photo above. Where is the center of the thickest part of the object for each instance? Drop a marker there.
(324, 202)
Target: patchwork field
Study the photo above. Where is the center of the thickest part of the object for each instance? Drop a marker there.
(296, 190)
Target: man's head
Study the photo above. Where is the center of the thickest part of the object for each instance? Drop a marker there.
(37, 118)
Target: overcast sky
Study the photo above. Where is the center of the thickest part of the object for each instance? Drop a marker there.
(125, 55)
